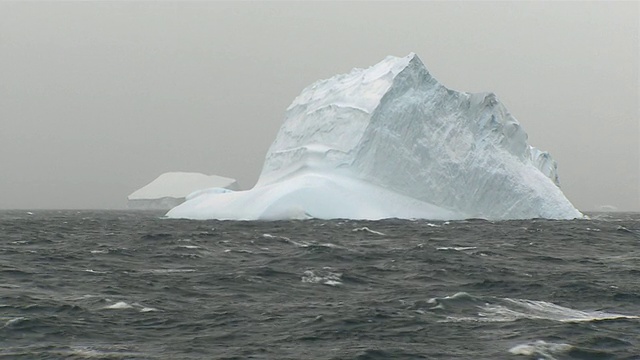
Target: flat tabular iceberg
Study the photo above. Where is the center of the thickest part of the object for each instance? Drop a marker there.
(391, 142)
(173, 188)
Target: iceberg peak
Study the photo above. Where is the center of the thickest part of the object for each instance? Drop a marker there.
(391, 141)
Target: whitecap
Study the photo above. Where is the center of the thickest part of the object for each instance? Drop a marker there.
(285, 239)
(330, 278)
(13, 321)
(364, 228)
(457, 248)
(332, 282)
(170, 271)
(332, 246)
(532, 309)
(94, 271)
(457, 296)
(120, 305)
(508, 310)
(189, 246)
(540, 349)
(102, 352)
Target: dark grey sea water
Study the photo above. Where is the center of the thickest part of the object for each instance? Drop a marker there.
(132, 285)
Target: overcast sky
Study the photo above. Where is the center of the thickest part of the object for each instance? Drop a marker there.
(99, 98)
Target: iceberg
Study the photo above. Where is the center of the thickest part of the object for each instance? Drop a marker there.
(173, 188)
(391, 142)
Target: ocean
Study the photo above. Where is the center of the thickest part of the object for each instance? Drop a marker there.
(135, 285)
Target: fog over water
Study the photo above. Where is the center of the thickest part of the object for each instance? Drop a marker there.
(99, 98)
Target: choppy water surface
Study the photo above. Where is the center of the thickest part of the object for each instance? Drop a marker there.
(132, 285)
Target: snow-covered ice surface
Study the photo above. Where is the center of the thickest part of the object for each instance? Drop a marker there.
(391, 142)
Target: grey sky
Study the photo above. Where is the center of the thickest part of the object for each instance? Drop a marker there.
(99, 98)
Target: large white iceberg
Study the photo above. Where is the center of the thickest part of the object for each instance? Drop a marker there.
(173, 188)
(391, 142)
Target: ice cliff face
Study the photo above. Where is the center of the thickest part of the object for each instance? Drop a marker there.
(390, 141)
